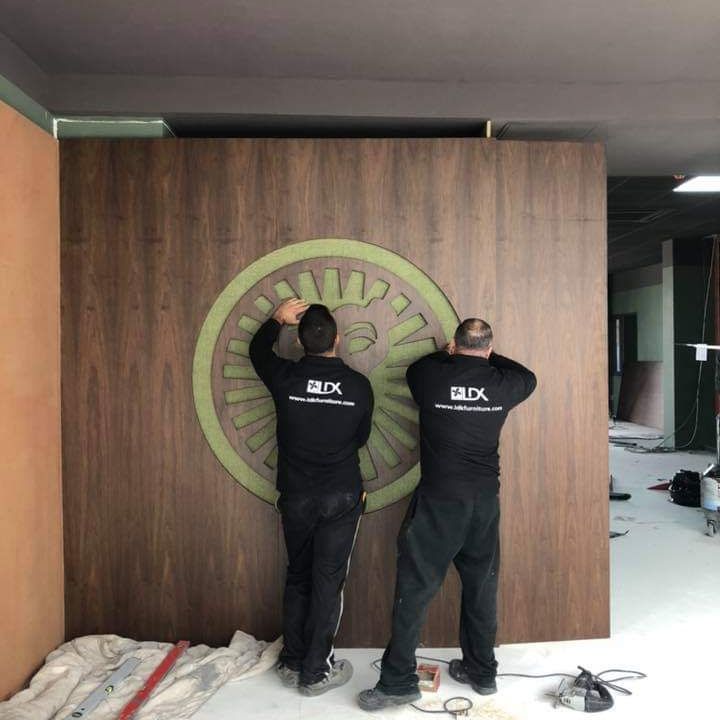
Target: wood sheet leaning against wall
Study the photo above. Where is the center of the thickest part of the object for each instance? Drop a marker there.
(31, 543)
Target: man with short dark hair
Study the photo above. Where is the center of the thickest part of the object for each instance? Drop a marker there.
(324, 412)
(464, 395)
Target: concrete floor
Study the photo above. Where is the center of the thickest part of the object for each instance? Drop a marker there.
(665, 605)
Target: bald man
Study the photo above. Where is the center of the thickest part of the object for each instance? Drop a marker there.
(464, 394)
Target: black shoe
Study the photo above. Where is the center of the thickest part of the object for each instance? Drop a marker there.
(459, 674)
(376, 699)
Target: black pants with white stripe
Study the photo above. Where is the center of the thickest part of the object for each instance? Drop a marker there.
(319, 535)
(435, 533)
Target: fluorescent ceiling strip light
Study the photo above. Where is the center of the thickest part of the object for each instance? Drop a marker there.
(701, 183)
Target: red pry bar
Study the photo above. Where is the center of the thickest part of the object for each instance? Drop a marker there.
(153, 681)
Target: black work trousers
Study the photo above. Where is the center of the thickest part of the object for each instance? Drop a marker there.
(435, 533)
(319, 535)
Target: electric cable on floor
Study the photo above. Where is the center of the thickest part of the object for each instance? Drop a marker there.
(611, 684)
(465, 705)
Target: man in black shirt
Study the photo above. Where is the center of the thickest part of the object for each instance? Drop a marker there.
(324, 411)
(464, 395)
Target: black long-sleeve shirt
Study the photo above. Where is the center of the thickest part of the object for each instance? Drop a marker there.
(464, 401)
(324, 412)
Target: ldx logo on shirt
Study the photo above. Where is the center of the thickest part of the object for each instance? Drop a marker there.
(467, 393)
(319, 387)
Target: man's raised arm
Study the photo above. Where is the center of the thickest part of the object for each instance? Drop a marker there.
(521, 379)
(262, 356)
(414, 373)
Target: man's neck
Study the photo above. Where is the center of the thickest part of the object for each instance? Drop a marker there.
(472, 353)
(328, 354)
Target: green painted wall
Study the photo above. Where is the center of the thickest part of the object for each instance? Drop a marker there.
(668, 275)
(691, 266)
(647, 303)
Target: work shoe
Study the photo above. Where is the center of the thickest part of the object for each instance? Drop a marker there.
(341, 672)
(288, 677)
(459, 674)
(377, 699)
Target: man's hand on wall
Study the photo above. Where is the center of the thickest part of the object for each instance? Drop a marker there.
(288, 311)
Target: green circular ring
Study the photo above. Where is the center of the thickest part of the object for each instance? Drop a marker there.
(244, 281)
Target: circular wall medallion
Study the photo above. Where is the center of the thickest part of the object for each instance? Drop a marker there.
(389, 313)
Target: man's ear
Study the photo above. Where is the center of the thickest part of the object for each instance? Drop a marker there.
(451, 347)
(336, 344)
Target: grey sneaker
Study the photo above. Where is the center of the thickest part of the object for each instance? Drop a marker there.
(459, 674)
(289, 678)
(341, 672)
(376, 699)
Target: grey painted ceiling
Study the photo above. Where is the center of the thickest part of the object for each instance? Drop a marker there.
(572, 41)
(643, 76)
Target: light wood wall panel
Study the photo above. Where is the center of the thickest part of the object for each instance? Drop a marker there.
(161, 542)
(31, 551)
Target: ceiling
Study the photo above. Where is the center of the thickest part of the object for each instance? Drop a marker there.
(644, 211)
(413, 40)
(641, 77)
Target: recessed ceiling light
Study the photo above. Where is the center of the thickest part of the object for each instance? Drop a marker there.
(701, 183)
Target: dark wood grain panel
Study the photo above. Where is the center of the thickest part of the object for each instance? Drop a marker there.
(641, 399)
(160, 541)
(551, 314)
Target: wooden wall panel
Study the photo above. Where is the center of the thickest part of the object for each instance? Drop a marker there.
(641, 394)
(160, 541)
(551, 299)
(31, 551)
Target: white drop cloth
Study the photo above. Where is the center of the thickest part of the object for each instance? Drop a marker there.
(76, 668)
